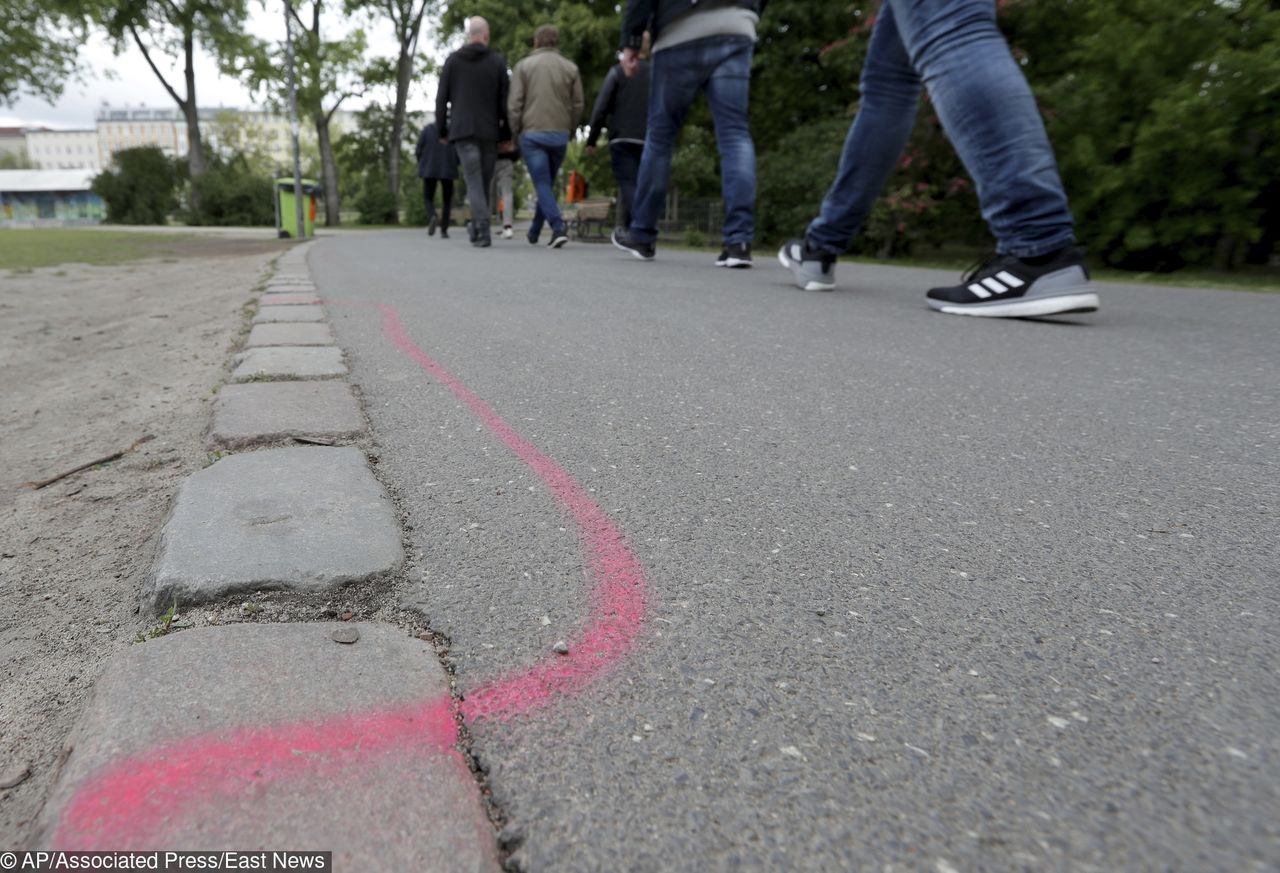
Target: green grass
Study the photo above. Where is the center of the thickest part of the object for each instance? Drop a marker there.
(23, 250)
(28, 249)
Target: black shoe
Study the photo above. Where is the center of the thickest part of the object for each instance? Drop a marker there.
(1009, 287)
(558, 238)
(482, 240)
(432, 223)
(444, 232)
(532, 238)
(622, 239)
(471, 231)
(737, 255)
(813, 269)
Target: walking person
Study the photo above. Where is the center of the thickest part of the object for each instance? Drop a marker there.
(990, 116)
(472, 99)
(545, 108)
(705, 47)
(437, 163)
(623, 107)
(502, 194)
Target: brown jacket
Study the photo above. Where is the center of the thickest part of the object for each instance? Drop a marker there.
(546, 94)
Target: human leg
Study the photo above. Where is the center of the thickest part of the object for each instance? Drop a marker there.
(990, 116)
(446, 197)
(728, 96)
(428, 198)
(471, 158)
(675, 77)
(544, 152)
(625, 158)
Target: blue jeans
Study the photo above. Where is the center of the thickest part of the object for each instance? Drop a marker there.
(955, 49)
(720, 66)
(543, 153)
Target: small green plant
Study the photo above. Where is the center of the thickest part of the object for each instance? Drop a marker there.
(695, 238)
(250, 608)
(161, 629)
(213, 457)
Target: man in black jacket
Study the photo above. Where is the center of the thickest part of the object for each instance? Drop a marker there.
(471, 110)
(698, 45)
(623, 107)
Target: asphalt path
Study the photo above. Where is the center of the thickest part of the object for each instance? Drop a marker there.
(924, 592)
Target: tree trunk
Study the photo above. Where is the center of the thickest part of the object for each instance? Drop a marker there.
(195, 146)
(329, 168)
(404, 71)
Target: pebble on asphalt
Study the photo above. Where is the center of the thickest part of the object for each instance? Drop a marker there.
(561, 647)
(345, 635)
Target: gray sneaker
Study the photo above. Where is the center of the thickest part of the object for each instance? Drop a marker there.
(812, 270)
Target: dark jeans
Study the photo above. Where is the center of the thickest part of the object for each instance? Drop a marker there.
(478, 158)
(543, 152)
(720, 66)
(625, 157)
(986, 108)
(446, 195)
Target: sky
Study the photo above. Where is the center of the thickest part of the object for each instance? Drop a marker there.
(130, 81)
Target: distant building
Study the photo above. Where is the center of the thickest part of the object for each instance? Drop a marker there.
(13, 143)
(48, 197)
(64, 149)
(120, 129)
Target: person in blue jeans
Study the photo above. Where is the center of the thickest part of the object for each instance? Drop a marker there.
(955, 49)
(704, 47)
(544, 108)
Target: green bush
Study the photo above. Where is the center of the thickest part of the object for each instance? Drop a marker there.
(143, 189)
(233, 194)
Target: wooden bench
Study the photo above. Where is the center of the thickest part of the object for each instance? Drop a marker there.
(591, 219)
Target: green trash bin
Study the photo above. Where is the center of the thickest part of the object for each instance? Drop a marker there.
(287, 215)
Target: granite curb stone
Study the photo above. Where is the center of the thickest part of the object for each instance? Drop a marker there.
(307, 519)
(289, 362)
(297, 334)
(289, 298)
(395, 805)
(288, 314)
(267, 412)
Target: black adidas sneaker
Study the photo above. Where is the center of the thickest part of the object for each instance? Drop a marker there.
(1010, 287)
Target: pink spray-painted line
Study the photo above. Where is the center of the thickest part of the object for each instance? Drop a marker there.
(618, 593)
(130, 803)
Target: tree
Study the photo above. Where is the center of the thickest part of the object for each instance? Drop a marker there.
(171, 28)
(406, 17)
(143, 189)
(38, 46)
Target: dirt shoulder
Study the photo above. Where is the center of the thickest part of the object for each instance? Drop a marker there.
(92, 358)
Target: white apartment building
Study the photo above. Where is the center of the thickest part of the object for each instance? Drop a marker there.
(64, 149)
(119, 129)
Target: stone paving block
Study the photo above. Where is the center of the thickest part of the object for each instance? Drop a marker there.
(310, 518)
(290, 362)
(266, 412)
(290, 335)
(281, 314)
(289, 298)
(272, 736)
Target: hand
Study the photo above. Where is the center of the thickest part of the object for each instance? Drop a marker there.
(591, 151)
(630, 62)
(444, 140)
(506, 147)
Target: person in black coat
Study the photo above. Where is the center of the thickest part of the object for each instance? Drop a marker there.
(437, 162)
(623, 107)
(472, 100)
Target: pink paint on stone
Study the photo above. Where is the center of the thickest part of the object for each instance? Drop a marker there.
(129, 803)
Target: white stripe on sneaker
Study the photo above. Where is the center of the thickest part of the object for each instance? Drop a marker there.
(1009, 279)
(995, 286)
(982, 293)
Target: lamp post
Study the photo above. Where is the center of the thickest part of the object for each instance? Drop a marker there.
(293, 119)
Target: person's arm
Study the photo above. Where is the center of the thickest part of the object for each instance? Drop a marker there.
(635, 21)
(442, 101)
(422, 143)
(515, 102)
(604, 106)
(579, 101)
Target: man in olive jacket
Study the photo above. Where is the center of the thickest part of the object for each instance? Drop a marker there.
(544, 109)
